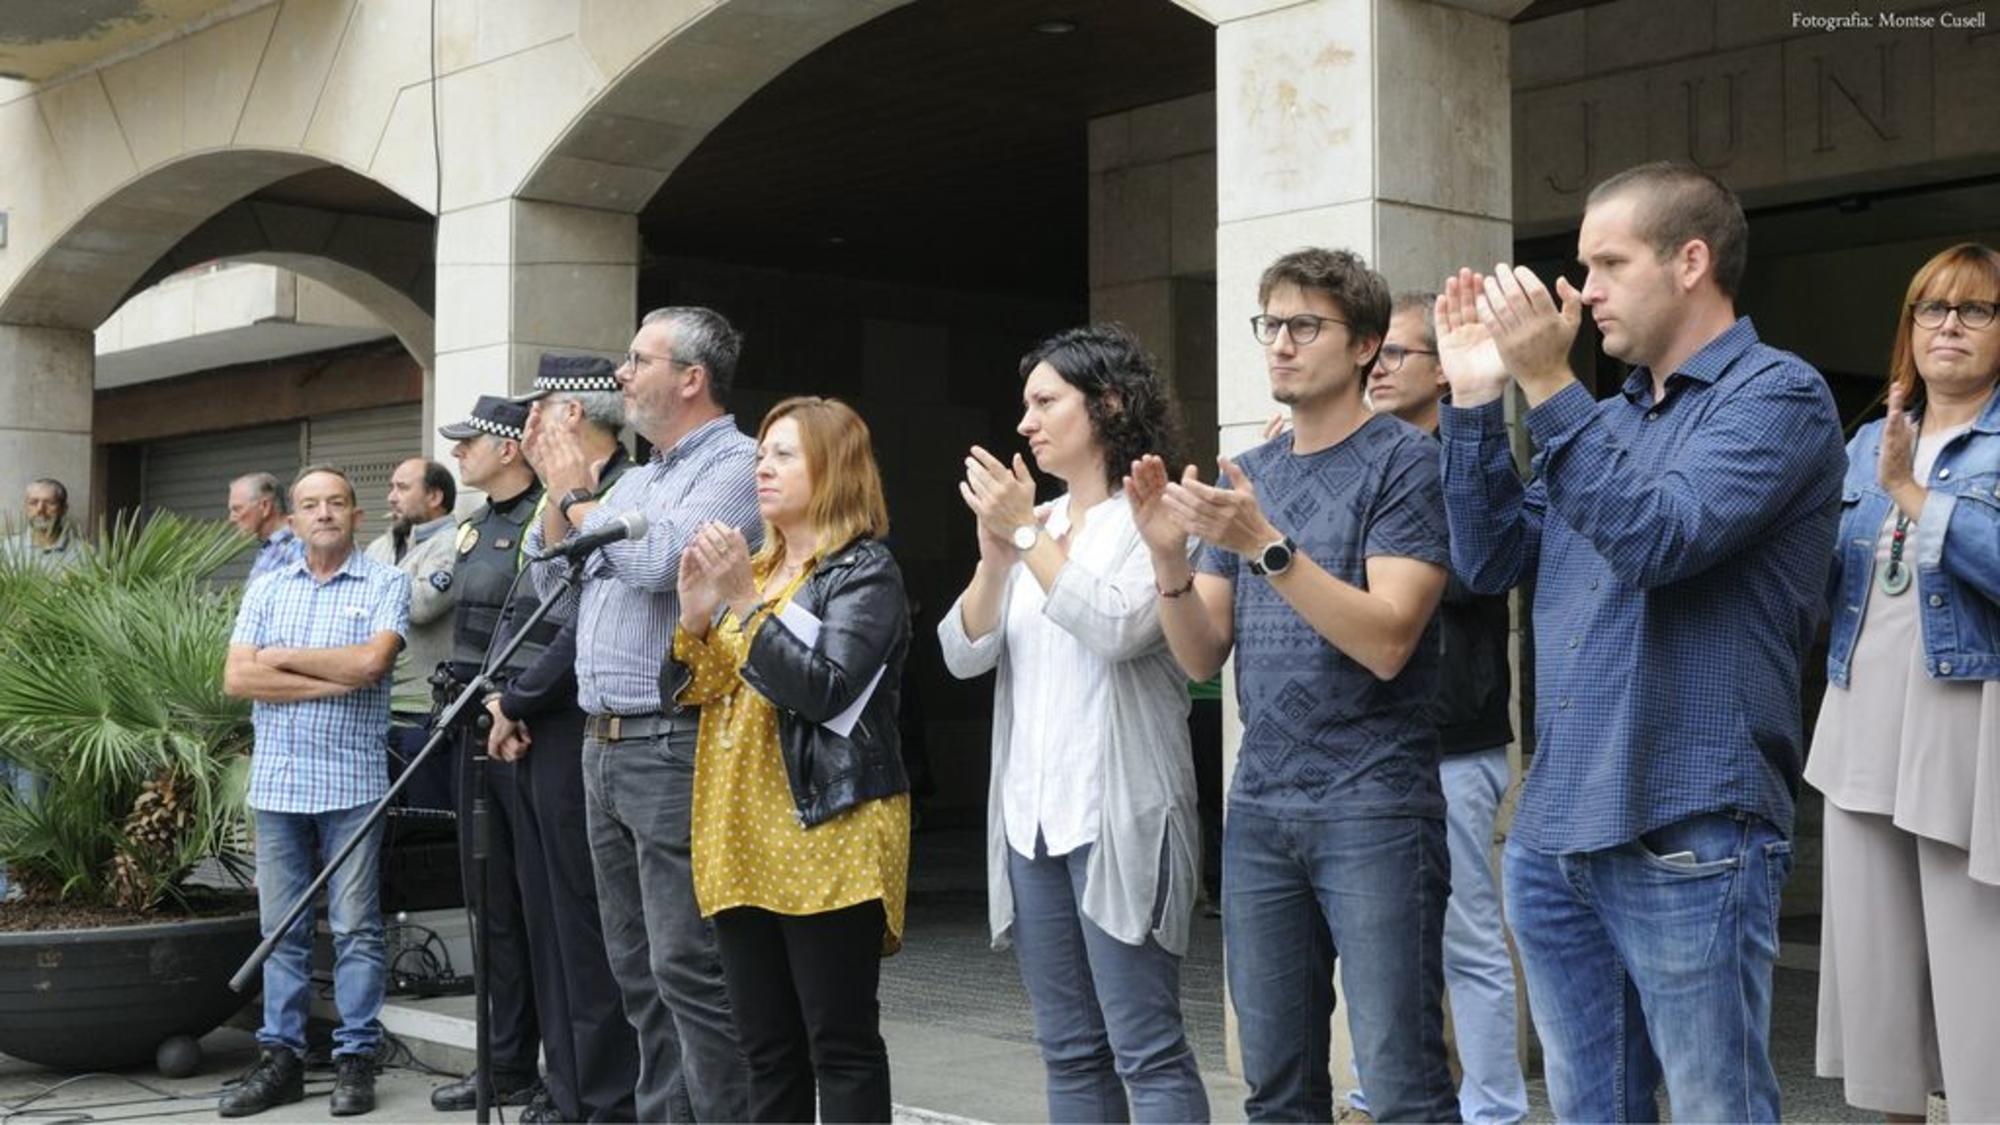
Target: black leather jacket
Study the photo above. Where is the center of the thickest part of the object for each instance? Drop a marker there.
(857, 593)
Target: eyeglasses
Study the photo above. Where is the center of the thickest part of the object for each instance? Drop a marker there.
(1391, 357)
(637, 360)
(1304, 327)
(1971, 314)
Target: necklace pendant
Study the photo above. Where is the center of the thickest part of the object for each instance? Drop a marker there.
(1895, 578)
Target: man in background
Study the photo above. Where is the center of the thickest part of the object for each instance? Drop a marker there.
(257, 508)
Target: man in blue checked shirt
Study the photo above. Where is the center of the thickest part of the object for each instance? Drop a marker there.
(638, 748)
(1678, 533)
(315, 642)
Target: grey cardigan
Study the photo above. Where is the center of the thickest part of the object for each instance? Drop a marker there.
(1148, 827)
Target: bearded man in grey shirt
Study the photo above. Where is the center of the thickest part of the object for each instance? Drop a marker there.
(638, 756)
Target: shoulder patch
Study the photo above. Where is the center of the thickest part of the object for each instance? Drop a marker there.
(440, 580)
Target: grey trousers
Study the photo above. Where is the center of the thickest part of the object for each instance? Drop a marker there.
(638, 799)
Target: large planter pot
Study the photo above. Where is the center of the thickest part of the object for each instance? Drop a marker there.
(106, 998)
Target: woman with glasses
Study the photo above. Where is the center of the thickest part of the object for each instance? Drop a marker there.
(1091, 821)
(801, 818)
(1907, 748)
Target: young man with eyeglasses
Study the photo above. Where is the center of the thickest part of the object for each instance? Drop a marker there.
(1475, 687)
(1323, 562)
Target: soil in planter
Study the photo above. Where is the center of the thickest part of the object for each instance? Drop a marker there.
(20, 916)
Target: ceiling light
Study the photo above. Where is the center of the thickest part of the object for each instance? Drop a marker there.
(1056, 27)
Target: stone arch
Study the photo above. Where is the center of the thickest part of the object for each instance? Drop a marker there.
(662, 100)
(194, 209)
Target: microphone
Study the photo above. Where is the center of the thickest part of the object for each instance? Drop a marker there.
(630, 525)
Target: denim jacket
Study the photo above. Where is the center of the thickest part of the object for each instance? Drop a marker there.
(1956, 544)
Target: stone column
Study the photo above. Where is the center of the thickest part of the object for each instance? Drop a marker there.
(45, 404)
(1382, 126)
(516, 278)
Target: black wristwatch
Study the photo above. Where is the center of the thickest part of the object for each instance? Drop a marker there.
(572, 497)
(1274, 559)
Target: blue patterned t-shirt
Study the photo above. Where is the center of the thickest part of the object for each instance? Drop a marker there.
(1323, 739)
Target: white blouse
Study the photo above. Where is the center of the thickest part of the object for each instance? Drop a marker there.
(1054, 781)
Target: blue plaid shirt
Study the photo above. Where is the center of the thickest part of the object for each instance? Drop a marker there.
(1680, 551)
(631, 598)
(281, 550)
(318, 755)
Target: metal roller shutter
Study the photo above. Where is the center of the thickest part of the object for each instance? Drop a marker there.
(190, 476)
(368, 445)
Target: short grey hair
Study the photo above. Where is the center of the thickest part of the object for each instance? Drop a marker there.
(703, 336)
(1418, 301)
(262, 486)
(603, 409)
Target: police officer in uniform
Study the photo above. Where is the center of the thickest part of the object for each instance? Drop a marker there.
(537, 725)
(488, 452)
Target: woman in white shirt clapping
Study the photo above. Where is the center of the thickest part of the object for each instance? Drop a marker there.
(1091, 822)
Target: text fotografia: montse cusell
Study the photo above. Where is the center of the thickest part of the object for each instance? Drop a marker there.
(1891, 21)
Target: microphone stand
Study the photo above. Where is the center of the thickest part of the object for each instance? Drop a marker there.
(567, 580)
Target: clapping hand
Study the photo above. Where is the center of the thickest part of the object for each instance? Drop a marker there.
(1466, 348)
(1145, 490)
(697, 591)
(552, 442)
(1002, 497)
(1229, 517)
(1532, 333)
(1895, 463)
(723, 556)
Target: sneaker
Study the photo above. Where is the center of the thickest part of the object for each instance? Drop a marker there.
(353, 1085)
(278, 1077)
(459, 1096)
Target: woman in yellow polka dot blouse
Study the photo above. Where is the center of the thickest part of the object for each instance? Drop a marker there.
(801, 831)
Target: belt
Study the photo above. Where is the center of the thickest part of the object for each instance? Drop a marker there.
(623, 728)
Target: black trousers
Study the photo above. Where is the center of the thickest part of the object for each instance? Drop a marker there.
(803, 988)
(592, 1051)
(516, 1035)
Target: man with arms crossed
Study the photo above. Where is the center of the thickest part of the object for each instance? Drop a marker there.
(1678, 533)
(638, 760)
(314, 646)
(1323, 565)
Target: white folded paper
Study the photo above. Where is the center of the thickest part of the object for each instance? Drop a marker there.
(805, 627)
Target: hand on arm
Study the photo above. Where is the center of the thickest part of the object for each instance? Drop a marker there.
(1196, 611)
(506, 740)
(246, 676)
(349, 666)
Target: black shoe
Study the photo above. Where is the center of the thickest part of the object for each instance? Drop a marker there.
(541, 1111)
(278, 1077)
(456, 1097)
(353, 1085)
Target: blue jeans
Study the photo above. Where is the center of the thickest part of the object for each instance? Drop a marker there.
(1653, 960)
(1294, 894)
(1107, 1014)
(1478, 971)
(291, 847)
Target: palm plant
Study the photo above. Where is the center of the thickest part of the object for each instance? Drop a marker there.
(111, 694)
